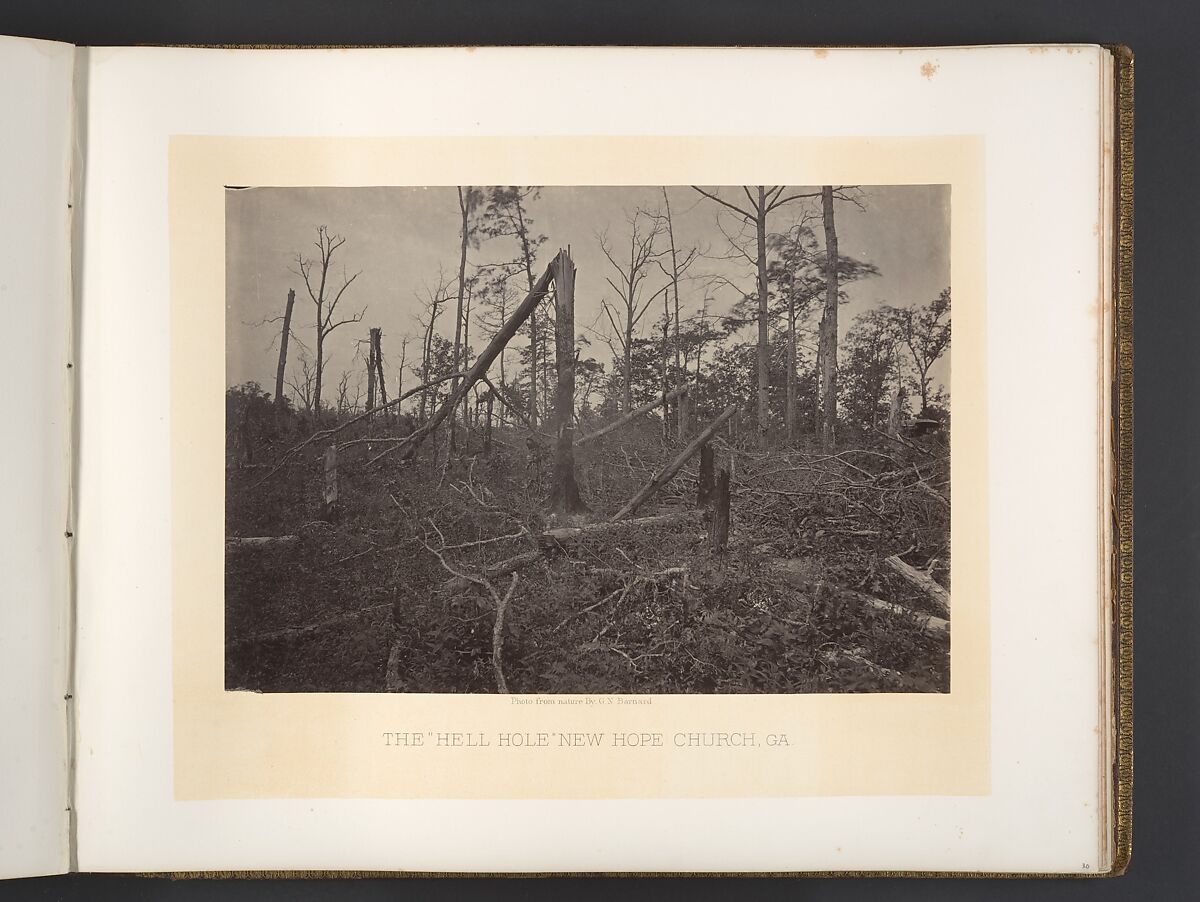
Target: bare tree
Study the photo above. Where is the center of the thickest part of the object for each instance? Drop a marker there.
(325, 299)
(761, 202)
(677, 269)
(400, 370)
(434, 303)
(304, 385)
(644, 229)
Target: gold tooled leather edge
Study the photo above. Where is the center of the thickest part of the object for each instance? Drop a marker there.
(1123, 564)
(1123, 339)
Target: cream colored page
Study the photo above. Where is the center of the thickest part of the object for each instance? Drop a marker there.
(825, 744)
(35, 261)
(1041, 524)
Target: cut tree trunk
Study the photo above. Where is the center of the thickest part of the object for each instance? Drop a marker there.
(922, 581)
(668, 472)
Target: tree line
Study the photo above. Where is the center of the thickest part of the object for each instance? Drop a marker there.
(774, 354)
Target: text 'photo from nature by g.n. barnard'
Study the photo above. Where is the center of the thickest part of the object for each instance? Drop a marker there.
(518, 439)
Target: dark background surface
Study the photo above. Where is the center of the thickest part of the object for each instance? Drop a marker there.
(1163, 36)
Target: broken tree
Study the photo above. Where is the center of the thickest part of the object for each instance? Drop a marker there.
(564, 491)
(283, 347)
(377, 348)
(718, 527)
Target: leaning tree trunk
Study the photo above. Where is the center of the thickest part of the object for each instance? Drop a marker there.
(482, 362)
(283, 347)
(829, 324)
(663, 476)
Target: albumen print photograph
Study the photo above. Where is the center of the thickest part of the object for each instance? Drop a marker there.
(588, 440)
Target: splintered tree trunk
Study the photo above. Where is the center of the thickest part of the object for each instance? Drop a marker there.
(718, 528)
(704, 491)
(564, 491)
(371, 372)
(829, 324)
(283, 347)
(377, 344)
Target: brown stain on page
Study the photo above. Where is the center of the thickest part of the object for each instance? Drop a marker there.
(929, 69)
(821, 52)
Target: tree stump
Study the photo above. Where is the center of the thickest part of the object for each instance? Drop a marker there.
(704, 490)
(718, 529)
(329, 508)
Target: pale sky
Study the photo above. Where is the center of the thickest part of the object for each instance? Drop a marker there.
(398, 237)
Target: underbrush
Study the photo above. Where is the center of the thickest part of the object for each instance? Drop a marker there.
(361, 601)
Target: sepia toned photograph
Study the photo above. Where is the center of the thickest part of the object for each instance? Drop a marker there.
(588, 440)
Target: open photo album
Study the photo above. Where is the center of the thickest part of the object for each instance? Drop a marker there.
(547, 460)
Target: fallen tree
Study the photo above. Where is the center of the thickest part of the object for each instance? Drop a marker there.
(632, 415)
(481, 364)
(260, 541)
(566, 534)
(554, 540)
(795, 576)
(922, 581)
(663, 476)
(329, 433)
